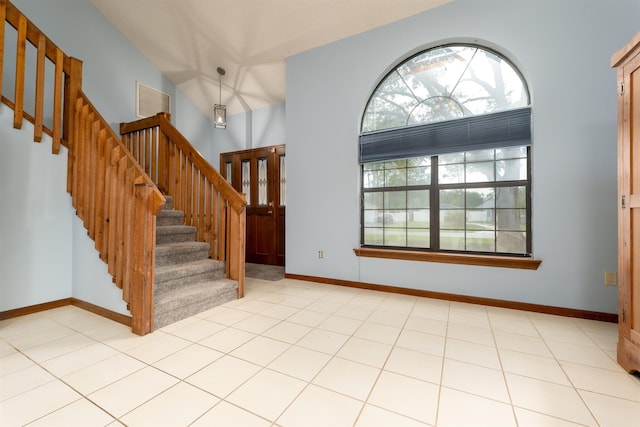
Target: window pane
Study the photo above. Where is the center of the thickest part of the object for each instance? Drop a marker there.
(450, 199)
(229, 174)
(262, 182)
(487, 71)
(418, 238)
(511, 170)
(481, 241)
(418, 218)
(451, 174)
(419, 161)
(377, 166)
(395, 219)
(395, 237)
(480, 172)
(373, 179)
(483, 198)
(446, 159)
(418, 199)
(395, 177)
(453, 219)
(511, 153)
(511, 242)
(452, 240)
(373, 218)
(478, 156)
(480, 219)
(512, 219)
(246, 180)
(511, 197)
(373, 200)
(419, 176)
(436, 109)
(373, 236)
(395, 199)
(436, 71)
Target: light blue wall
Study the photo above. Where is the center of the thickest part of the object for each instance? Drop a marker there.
(263, 127)
(56, 259)
(563, 48)
(35, 219)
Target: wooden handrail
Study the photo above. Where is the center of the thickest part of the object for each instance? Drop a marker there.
(112, 194)
(208, 201)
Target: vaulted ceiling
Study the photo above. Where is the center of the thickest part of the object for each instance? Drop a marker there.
(188, 39)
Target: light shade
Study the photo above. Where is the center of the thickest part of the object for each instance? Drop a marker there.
(220, 116)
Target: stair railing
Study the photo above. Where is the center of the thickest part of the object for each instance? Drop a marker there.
(111, 193)
(208, 201)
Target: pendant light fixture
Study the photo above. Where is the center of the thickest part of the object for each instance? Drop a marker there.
(219, 110)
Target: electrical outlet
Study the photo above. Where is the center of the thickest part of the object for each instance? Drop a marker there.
(320, 254)
(610, 278)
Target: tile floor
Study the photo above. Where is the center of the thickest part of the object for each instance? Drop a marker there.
(295, 353)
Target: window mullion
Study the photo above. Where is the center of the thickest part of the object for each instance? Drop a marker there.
(434, 203)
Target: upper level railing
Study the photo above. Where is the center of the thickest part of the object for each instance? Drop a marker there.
(208, 201)
(112, 194)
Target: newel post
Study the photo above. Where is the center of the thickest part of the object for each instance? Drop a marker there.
(72, 88)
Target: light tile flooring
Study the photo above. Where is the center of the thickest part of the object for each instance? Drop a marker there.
(295, 353)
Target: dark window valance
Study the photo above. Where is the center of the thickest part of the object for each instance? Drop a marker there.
(496, 130)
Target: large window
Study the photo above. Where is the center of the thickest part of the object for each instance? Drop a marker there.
(445, 155)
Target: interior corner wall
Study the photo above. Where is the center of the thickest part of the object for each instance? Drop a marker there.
(111, 68)
(566, 64)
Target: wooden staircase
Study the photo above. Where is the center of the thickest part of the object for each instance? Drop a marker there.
(119, 189)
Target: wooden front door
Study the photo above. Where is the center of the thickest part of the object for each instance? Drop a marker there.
(627, 60)
(260, 174)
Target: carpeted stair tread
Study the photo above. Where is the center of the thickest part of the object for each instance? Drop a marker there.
(181, 252)
(171, 272)
(190, 300)
(169, 217)
(175, 233)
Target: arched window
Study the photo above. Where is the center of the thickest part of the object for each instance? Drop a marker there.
(445, 149)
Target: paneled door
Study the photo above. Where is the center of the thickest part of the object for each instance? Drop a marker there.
(627, 62)
(261, 175)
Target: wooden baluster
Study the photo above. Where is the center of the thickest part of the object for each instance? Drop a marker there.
(18, 109)
(99, 191)
(235, 262)
(223, 255)
(81, 159)
(93, 177)
(129, 219)
(148, 153)
(86, 166)
(154, 155)
(120, 223)
(143, 256)
(201, 216)
(72, 86)
(57, 101)
(3, 17)
(106, 207)
(163, 162)
(187, 191)
(39, 105)
(114, 206)
(215, 225)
